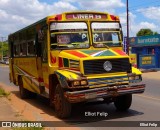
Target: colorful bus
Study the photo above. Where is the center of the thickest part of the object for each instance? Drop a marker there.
(74, 57)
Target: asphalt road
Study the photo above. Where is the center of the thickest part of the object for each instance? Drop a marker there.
(145, 107)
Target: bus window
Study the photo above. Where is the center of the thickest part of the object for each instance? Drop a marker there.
(21, 49)
(16, 50)
(69, 35)
(31, 48)
(24, 49)
(105, 34)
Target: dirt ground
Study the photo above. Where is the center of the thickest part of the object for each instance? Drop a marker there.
(32, 109)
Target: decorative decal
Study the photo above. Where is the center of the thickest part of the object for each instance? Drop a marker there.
(60, 62)
(121, 52)
(76, 53)
(103, 53)
(65, 62)
(53, 59)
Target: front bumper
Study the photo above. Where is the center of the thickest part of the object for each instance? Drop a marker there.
(84, 95)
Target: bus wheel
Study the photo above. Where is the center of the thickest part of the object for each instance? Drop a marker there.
(24, 93)
(62, 106)
(124, 102)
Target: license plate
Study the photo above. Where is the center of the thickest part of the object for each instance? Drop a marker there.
(90, 95)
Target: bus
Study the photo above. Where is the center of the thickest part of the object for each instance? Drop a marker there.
(74, 57)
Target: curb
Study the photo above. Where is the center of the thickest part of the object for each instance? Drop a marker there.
(150, 70)
(3, 65)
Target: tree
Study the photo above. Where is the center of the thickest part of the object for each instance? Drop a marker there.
(4, 49)
(146, 32)
(155, 33)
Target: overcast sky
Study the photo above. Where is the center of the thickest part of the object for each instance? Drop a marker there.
(16, 14)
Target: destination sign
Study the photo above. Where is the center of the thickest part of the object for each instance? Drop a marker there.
(86, 16)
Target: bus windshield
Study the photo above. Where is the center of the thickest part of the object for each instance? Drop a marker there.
(105, 34)
(68, 35)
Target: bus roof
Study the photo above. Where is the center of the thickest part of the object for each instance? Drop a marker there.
(82, 15)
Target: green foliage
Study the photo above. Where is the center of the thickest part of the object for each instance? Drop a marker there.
(146, 32)
(4, 48)
(3, 93)
(155, 33)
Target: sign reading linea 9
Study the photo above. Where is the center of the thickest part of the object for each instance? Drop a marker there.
(86, 16)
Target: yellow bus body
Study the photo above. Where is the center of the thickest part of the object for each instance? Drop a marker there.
(41, 71)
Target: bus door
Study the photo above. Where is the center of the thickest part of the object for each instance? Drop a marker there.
(42, 59)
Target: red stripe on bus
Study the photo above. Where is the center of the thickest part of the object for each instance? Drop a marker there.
(121, 52)
(60, 62)
(78, 54)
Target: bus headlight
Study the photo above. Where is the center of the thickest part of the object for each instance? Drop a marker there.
(76, 83)
(132, 78)
(137, 77)
(84, 82)
(80, 83)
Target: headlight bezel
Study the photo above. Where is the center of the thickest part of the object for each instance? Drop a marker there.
(79, 83)
(135, 78)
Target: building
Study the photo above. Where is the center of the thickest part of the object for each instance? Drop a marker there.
(147, 49)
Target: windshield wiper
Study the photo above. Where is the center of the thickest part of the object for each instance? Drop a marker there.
(106, 45)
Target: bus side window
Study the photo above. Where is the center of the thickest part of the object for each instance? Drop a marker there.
(24, 49)
(31, 48)
(16, 50)
(21, 49)
(11, 48)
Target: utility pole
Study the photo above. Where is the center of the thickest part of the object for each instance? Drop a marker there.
(2, 39)
(127, 40)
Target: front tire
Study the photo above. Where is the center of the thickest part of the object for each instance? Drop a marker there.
(123, 103)
(62, 106)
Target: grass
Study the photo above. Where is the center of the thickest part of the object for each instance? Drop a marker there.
(3, 92)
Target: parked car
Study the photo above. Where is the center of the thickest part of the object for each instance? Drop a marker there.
(7, 62)
(2, 61)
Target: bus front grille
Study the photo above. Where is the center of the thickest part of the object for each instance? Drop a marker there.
(96, 66)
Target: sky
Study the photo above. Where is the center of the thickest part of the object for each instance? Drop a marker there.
(17, 14)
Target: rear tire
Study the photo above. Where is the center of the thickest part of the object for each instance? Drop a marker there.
(24, 93)
(123, 103)
(61, 104)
